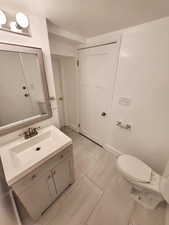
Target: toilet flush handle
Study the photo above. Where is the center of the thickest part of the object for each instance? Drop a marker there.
(123, 125)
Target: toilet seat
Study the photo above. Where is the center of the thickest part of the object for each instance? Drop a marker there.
(134, 168)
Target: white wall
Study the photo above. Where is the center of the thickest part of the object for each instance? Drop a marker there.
(61, 46)
(39, 38)
(62, 33)
(143, 77)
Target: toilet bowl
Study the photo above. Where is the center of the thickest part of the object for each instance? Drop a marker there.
(148, 187)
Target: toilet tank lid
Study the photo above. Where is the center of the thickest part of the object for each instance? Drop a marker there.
(134, 168)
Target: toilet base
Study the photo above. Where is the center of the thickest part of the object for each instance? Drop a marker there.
(147, 199)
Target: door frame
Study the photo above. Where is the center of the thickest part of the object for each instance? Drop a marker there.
(62, 83)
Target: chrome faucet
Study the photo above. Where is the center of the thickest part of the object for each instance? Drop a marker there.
(31, 132)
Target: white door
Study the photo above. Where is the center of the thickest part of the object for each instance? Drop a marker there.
(59, 89)
(97, 68)
(69, 79)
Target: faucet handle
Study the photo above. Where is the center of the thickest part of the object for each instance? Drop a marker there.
(23, 133)
(30, 132)
(30, 129)
(35, 130)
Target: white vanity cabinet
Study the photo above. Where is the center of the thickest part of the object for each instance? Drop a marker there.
(41, 187)
(38, 195)
(62, 175)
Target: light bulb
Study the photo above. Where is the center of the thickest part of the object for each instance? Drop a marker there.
(22, 20)
(13, 26)
(3, 18)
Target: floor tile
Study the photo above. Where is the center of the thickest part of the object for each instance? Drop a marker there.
(75, 206)
(7, 213)
(92, 150)
(115, 207)
(144, 216)
(82, 163)
(103, 171)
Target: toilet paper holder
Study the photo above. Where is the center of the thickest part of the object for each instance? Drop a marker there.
(123, 125)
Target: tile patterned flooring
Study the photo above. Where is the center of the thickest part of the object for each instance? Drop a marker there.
(100, 196)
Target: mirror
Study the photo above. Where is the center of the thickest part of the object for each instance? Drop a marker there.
(24, 97)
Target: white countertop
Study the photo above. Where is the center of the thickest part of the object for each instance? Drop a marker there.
(18, 163)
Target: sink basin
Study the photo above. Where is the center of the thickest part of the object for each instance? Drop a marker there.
(31, 143)
(28, 149)
(22, 156)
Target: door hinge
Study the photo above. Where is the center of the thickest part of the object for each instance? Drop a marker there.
(77, 63)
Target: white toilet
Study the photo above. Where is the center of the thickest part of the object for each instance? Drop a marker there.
(148, 187)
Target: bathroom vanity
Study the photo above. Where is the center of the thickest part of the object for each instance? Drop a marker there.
(37, 163)
(39, 169)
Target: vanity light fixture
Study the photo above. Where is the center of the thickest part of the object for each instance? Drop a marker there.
(16, 23)
(3, 18)
(22, 21)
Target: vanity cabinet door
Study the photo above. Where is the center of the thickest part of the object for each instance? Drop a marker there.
(62, 175)
(38, 195)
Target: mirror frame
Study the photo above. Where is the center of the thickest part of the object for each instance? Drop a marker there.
(31, 120)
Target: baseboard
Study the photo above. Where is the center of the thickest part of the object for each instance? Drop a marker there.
(84, 133)
(113, 150)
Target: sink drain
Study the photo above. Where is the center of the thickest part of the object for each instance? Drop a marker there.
(38, 148)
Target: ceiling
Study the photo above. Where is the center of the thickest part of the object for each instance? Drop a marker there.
(92, 17)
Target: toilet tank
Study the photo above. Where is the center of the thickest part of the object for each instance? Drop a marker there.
(164, 183)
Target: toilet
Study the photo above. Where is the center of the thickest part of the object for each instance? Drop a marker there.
(147, 187)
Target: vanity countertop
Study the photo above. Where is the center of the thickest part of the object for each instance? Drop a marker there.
(22, 156)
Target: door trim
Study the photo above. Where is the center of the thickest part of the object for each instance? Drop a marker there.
(85, 134)
(98, 45)
(91, 140)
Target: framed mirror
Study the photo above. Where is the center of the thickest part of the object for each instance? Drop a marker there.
(24, 96)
